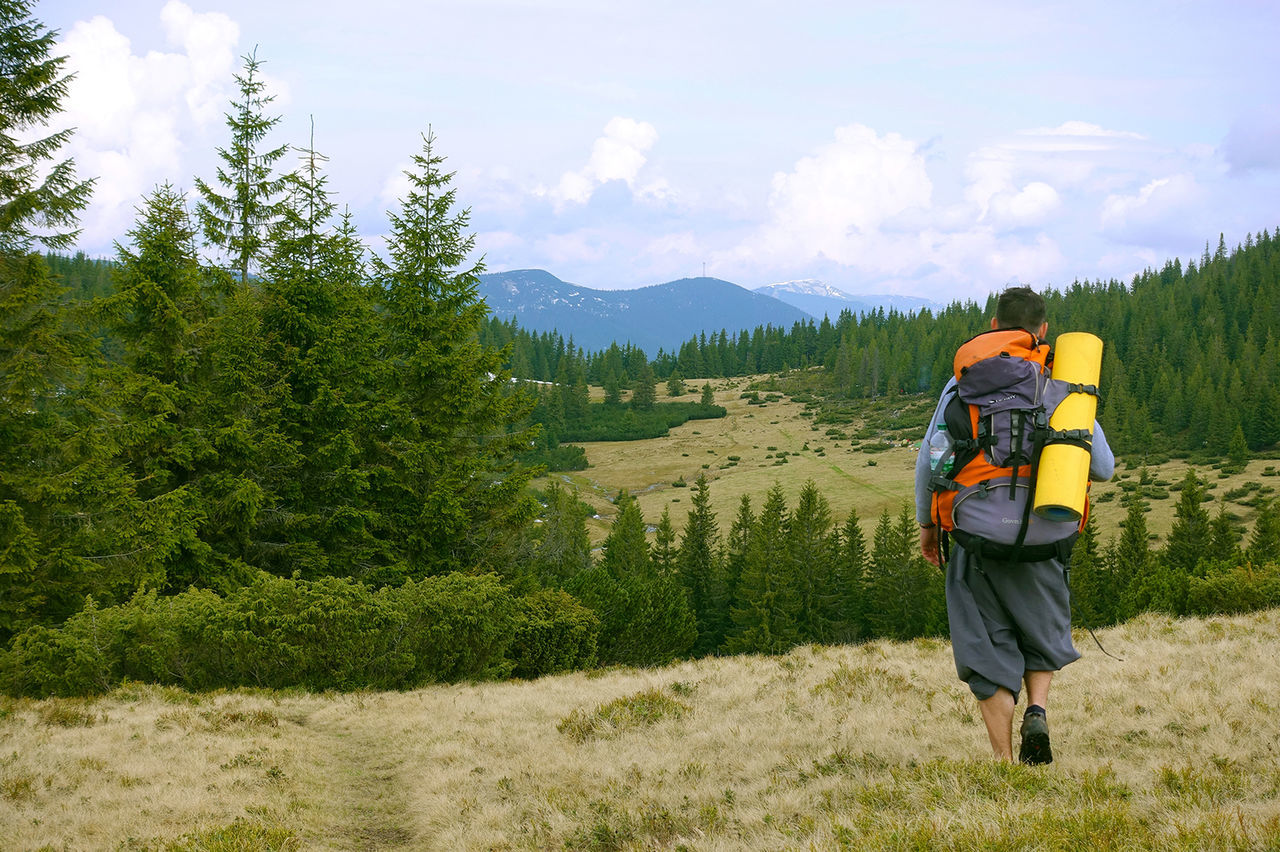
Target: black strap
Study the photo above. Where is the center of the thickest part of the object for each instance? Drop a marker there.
(1017, 552)
(1076, 387)
(1071, 606)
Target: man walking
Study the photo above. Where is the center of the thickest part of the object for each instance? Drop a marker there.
(1008, 604)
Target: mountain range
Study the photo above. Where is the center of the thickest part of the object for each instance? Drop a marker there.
(664, 316)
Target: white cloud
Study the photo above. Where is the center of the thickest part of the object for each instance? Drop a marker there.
(575, 247)
(619, 154)
(396, 187)
(834, 203)
(133, 113)
(1081, 128)
(1156, 202)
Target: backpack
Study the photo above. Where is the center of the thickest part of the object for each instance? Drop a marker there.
(998, 422)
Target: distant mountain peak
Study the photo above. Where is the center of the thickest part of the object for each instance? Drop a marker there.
(804, 287)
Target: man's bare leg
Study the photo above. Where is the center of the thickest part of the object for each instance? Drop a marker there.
(997, 714)
(1035, 747)
(1038, 688)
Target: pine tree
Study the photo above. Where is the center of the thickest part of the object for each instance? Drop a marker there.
(1132, 562)
(699, 569)
(644, 393)
(452, 491)
(322, 338)
(708, 397)
(849, 579)
(1189, 538)
(809, 541)
(645, 617)
(1264, 542)
(664, 544)
(766, 615)
(564, 550)
(237, 219)
(40, 199)
(675, 384)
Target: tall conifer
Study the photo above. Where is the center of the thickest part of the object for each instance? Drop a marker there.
(236, 212)
(452, 490)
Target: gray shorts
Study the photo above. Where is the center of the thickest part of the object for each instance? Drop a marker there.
(1007, 618)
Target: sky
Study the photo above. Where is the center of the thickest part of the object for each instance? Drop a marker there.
(936, 149)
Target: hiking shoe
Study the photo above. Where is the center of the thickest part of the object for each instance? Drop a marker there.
(1035, 740)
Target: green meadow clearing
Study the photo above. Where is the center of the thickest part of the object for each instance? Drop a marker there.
(756, 446)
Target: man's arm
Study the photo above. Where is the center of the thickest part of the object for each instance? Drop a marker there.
(924, 499)
(1102, 462)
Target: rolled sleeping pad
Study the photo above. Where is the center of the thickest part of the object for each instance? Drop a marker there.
(1062, 481)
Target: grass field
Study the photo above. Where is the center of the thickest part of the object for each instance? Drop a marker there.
(740, 455)
(848, 747)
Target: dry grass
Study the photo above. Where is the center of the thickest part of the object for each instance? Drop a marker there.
(872, 746)
(756, 434)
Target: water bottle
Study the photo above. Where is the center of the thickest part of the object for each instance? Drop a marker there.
(940, 457)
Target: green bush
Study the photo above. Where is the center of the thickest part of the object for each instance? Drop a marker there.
(610, 423)
(1243, 588)
(553, 633)
(330, 633)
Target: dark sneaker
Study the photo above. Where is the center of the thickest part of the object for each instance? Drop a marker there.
(1035, 740)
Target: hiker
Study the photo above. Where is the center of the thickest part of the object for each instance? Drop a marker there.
(1008, 604)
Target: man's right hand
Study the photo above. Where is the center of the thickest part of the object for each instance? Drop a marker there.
(929, 546)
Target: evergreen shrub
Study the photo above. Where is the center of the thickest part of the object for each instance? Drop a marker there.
(331, 633)
(553, 633)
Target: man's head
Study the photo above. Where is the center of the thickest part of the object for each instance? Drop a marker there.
(1021, 307)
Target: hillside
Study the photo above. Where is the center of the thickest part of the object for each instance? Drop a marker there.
(875, 746)
(659, 317)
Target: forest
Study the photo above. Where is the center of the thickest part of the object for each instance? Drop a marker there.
(248, 451)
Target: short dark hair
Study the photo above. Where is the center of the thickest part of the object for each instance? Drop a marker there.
(1020, 307)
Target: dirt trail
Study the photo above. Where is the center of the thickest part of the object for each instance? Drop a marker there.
(371, 810)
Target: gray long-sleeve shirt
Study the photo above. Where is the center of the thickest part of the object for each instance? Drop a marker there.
(1102, 462)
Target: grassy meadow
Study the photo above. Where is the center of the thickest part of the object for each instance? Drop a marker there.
(739, 454)
(875, 746)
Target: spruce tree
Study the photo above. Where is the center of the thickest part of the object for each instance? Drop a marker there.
(664, 544)
(71, 523)
(323, 340)
(645, 617)
(850, 578)
(1223, 551)
(644, 393)
(1092, 593)
(1132, 562)
(236, 213)
(1264, 542)
(699, 568)
(564, 549)
(1188, 541)
(767, 610)
(40, 196)
(451, 490)
(809, 540)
